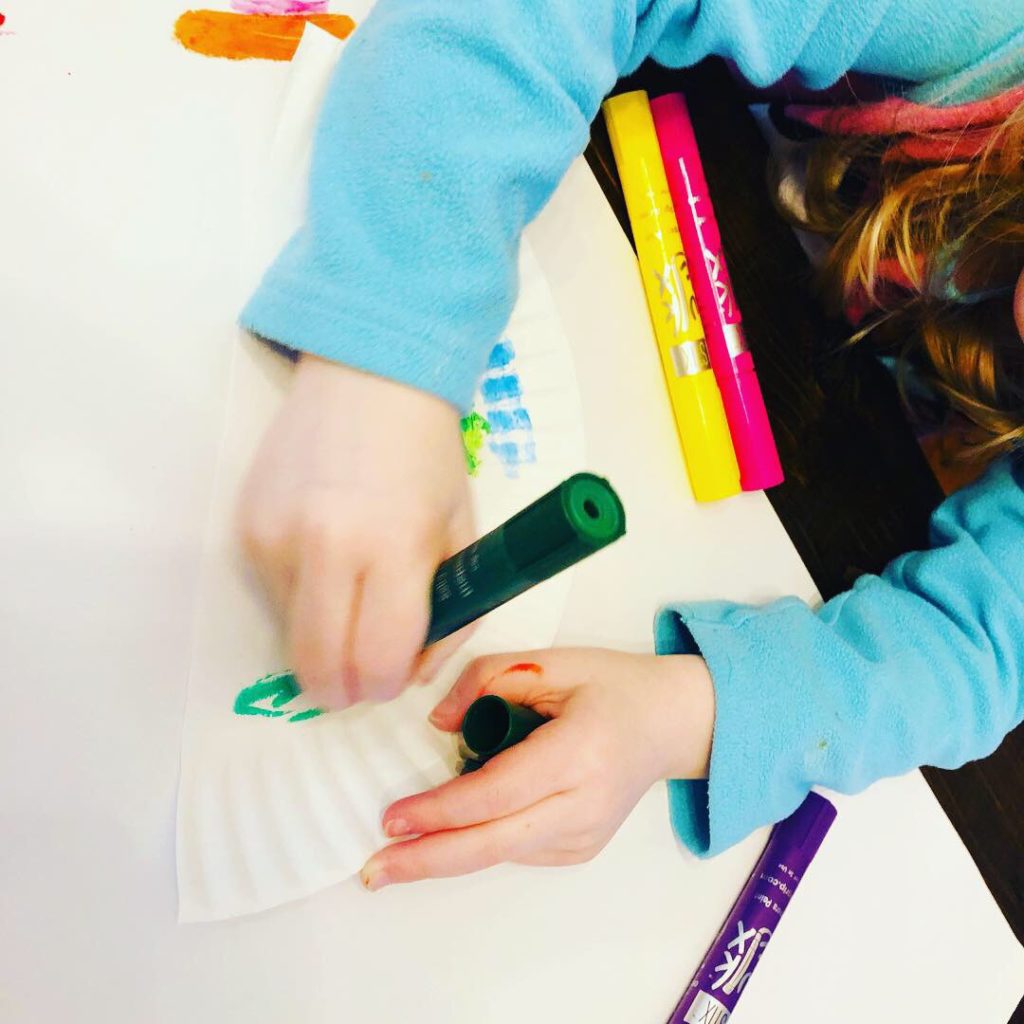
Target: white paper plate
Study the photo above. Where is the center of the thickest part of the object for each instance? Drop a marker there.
(275, 804)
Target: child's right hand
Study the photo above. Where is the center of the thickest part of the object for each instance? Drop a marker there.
(358, 491)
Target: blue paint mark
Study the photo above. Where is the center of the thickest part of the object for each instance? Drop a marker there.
(513, 454)
(497, 389)
(511, 435)
(504, 421)
(501, 355)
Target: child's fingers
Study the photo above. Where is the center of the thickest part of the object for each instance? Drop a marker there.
(519, 678)
(390, 626)
(321, 610)
(514, 780)
(445, 854)
(269, 548)
(461, 534)
(558, 858)
(432, 660)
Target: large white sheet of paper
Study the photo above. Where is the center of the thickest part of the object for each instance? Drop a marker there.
(130, 176)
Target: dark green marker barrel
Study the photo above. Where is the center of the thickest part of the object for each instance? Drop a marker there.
(580, 516)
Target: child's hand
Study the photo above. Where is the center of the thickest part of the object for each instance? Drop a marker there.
(358, 492)
(619, 723)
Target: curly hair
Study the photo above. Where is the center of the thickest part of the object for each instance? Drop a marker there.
(926, 233)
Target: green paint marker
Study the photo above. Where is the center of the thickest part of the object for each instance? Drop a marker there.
(580, 516)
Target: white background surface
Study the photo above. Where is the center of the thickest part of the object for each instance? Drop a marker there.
(123, 191)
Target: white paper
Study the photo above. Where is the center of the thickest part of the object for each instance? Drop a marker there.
(113, 395)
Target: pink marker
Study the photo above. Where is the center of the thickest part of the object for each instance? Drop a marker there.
(723, 327)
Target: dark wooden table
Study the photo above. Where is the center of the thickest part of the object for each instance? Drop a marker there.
(858, 491)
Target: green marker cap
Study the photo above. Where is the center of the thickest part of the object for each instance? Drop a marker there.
(493, 724)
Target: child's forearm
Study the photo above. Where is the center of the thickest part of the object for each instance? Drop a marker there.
(922, 665)
(446, 127)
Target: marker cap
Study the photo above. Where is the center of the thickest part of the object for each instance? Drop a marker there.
(493, 724)
(704, 435)
(757, 456)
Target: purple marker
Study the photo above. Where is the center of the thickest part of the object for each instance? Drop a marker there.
(716, 987)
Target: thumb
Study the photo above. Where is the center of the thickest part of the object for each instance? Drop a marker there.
(519, 678)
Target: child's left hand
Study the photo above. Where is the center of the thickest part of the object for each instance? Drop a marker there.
(619, 723)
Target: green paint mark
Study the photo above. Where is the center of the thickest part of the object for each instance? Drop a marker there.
(267, 696)
(301, 716)
(279, 688)
(474, 435)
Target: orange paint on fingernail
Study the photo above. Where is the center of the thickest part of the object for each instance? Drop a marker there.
(240, 36)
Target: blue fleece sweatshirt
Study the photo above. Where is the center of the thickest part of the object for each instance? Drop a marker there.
(446, 128)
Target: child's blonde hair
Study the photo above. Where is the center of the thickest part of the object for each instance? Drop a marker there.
(950, 231)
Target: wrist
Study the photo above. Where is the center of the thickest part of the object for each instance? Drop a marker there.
(360, 389)
(685, 716)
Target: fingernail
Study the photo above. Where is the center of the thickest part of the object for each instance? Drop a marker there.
(372, 876)
(396, 827)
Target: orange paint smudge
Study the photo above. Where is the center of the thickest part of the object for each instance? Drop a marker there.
(524, 666)
(243, 36)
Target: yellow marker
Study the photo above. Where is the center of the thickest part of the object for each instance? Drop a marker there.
(696, 400)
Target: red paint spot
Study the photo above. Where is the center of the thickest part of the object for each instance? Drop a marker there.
(524, 666)
(2, 19)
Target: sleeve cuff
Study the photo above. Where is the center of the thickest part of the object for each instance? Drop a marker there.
(316, 318)
(760, 769)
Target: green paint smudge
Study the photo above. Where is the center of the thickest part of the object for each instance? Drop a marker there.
(279, 688)
(301, 716)
(475, 429)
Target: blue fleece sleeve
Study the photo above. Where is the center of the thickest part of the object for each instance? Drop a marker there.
(923, 665)
(957, 49)
(445, 129)
(448, 124)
